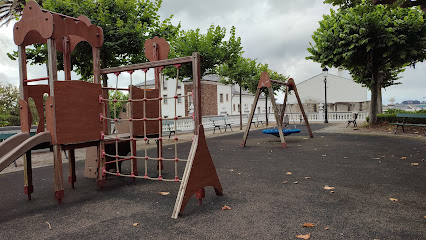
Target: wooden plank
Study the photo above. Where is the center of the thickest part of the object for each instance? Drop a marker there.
(152, 111)
(160, 63)
(196, 74)
(57, 165)
(277, 119)
(25, 120)
(72, 98)
(250, 119)
(200, 172)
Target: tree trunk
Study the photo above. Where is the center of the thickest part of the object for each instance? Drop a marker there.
(379, 100)
(241, 112)
(374, 97)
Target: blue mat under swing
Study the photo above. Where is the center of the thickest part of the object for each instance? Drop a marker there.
(286, 132)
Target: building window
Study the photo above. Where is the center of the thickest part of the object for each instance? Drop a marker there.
(164, 84)
(179, 98)
(221, 97)
(258, 109)
(179, 84)
(269, 109)
(226, 97)
(165, 99)
(234, 107)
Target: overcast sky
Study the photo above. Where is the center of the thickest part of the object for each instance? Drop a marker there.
(273, 31)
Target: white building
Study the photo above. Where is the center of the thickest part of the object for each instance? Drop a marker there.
(217, 98)
(343, 94)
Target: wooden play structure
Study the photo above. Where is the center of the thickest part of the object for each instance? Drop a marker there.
(76, 111)
(265, 81)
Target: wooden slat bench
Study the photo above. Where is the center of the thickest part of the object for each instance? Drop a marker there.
(409, 115)
(256, 121)
(220, 122)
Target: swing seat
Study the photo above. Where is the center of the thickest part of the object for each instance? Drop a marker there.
(286, 132)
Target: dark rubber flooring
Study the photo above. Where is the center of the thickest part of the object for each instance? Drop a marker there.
(364, 170)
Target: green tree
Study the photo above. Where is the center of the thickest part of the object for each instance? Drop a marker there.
(9, 106)
(116, 107)
(126, 25)
(212, 46)
(238, 72)
(374, 43)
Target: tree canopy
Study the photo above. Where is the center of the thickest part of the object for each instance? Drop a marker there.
(126, 25)
(374, 43)
(212, 46)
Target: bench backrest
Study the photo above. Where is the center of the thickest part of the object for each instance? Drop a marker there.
(217, 119)
(411, 115)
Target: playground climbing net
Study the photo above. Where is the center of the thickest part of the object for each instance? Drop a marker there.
(130, 137)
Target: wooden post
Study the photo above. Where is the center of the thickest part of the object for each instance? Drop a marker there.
(250, 119)
(196, 73)
(303, 111)
(57, 155)
(71, 169)
(277, 119)
(28, 175)
(67, 57)
(96, 65)
(284, 105)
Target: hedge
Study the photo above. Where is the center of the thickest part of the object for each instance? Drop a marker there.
(391, 118)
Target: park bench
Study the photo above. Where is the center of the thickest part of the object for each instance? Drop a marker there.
(220, 122)
(256, 120)
(169, 125)
(353, 120)
(404, 122)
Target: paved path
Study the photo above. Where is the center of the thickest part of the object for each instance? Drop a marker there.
(364, 170)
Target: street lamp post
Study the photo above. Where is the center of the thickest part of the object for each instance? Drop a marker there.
(325, 74)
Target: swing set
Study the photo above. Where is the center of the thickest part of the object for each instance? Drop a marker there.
(278, 131)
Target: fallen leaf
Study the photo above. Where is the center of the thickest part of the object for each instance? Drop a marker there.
(296, 182)
(322, 136)
(345, 157)
(164, 193)
(393, 199)
(170, 148)
(329, 188)
(308, 225)
(299, 145)
(135, 224)
(285, 181)
(226, 207)
(305, 138)
(375, 158)
(231, 170)
(416, 132)
(316, 149)
(324, 155)
(306, 236)
(307, 177)
(326, 228)
(404, 158)
(414, 164)
(239, 173)
(383, 156)
(288, 173)
(424, 216)
(331, 191)
(48, 224)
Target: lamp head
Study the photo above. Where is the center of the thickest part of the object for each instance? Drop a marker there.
(325, 72)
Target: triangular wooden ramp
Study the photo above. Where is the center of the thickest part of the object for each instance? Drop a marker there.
(200, 172)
